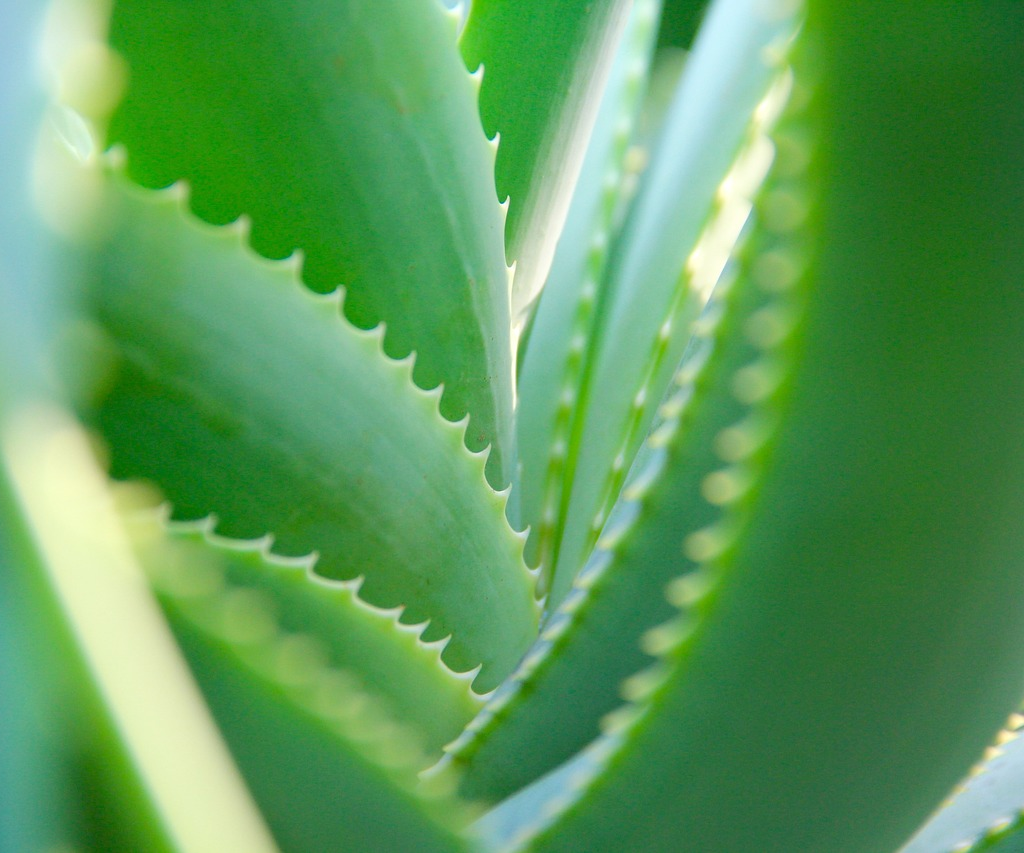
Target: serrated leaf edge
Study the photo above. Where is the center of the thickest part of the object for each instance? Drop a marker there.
(743, 447)
(702, 270)
(585, 314)
(296, 664)
(454, 19)
(177, 197)
(721, 487)
(599, 569)
(1002, 828)
(204, 530)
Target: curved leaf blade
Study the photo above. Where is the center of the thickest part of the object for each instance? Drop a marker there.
(326, 764)
(551, 706)
(545, 66)
(388, 659)
(348, 131)
(565, 315)
(242, 394)
(693, 199)
(880, 539)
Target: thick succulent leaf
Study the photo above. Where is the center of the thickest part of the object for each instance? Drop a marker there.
(552, 705)
(350, 131)
(988, 805)
(545, 66)
(327, 765)
(387, 658)
(564, 315)
(687, 214)
(852, 638)
(152, 733)
(240, 393)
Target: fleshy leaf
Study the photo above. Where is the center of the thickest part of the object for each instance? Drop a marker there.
(874, 558)
(693, 200)
(349, 131)
(387, 658)
(565, 313)
(242, 394)
(545, 64)
(551, 706)
(327, 765)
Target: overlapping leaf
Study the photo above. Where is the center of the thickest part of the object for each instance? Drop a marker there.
(693, 200)
(349, 131)
(551, 706)
(545, 64)
(865, 559)
(327, 763)
(985, 812)
(240, 393)
(565, 316)
(385, 658)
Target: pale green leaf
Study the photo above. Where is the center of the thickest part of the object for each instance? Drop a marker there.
(240, 393)
(388, 659)
(688, 212)
(327, 765)
(545, 63)
(565, 314)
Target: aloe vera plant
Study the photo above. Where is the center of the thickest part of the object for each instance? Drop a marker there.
(537, 426)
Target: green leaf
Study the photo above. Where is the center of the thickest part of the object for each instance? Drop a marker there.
(565, 314)
(687, 214)
(347, 130)
(852, 639)
(53, 718)
(328, 767)
(240, 393)
(545, 65)
(388, 659)
(987, 805)
(550, 708)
